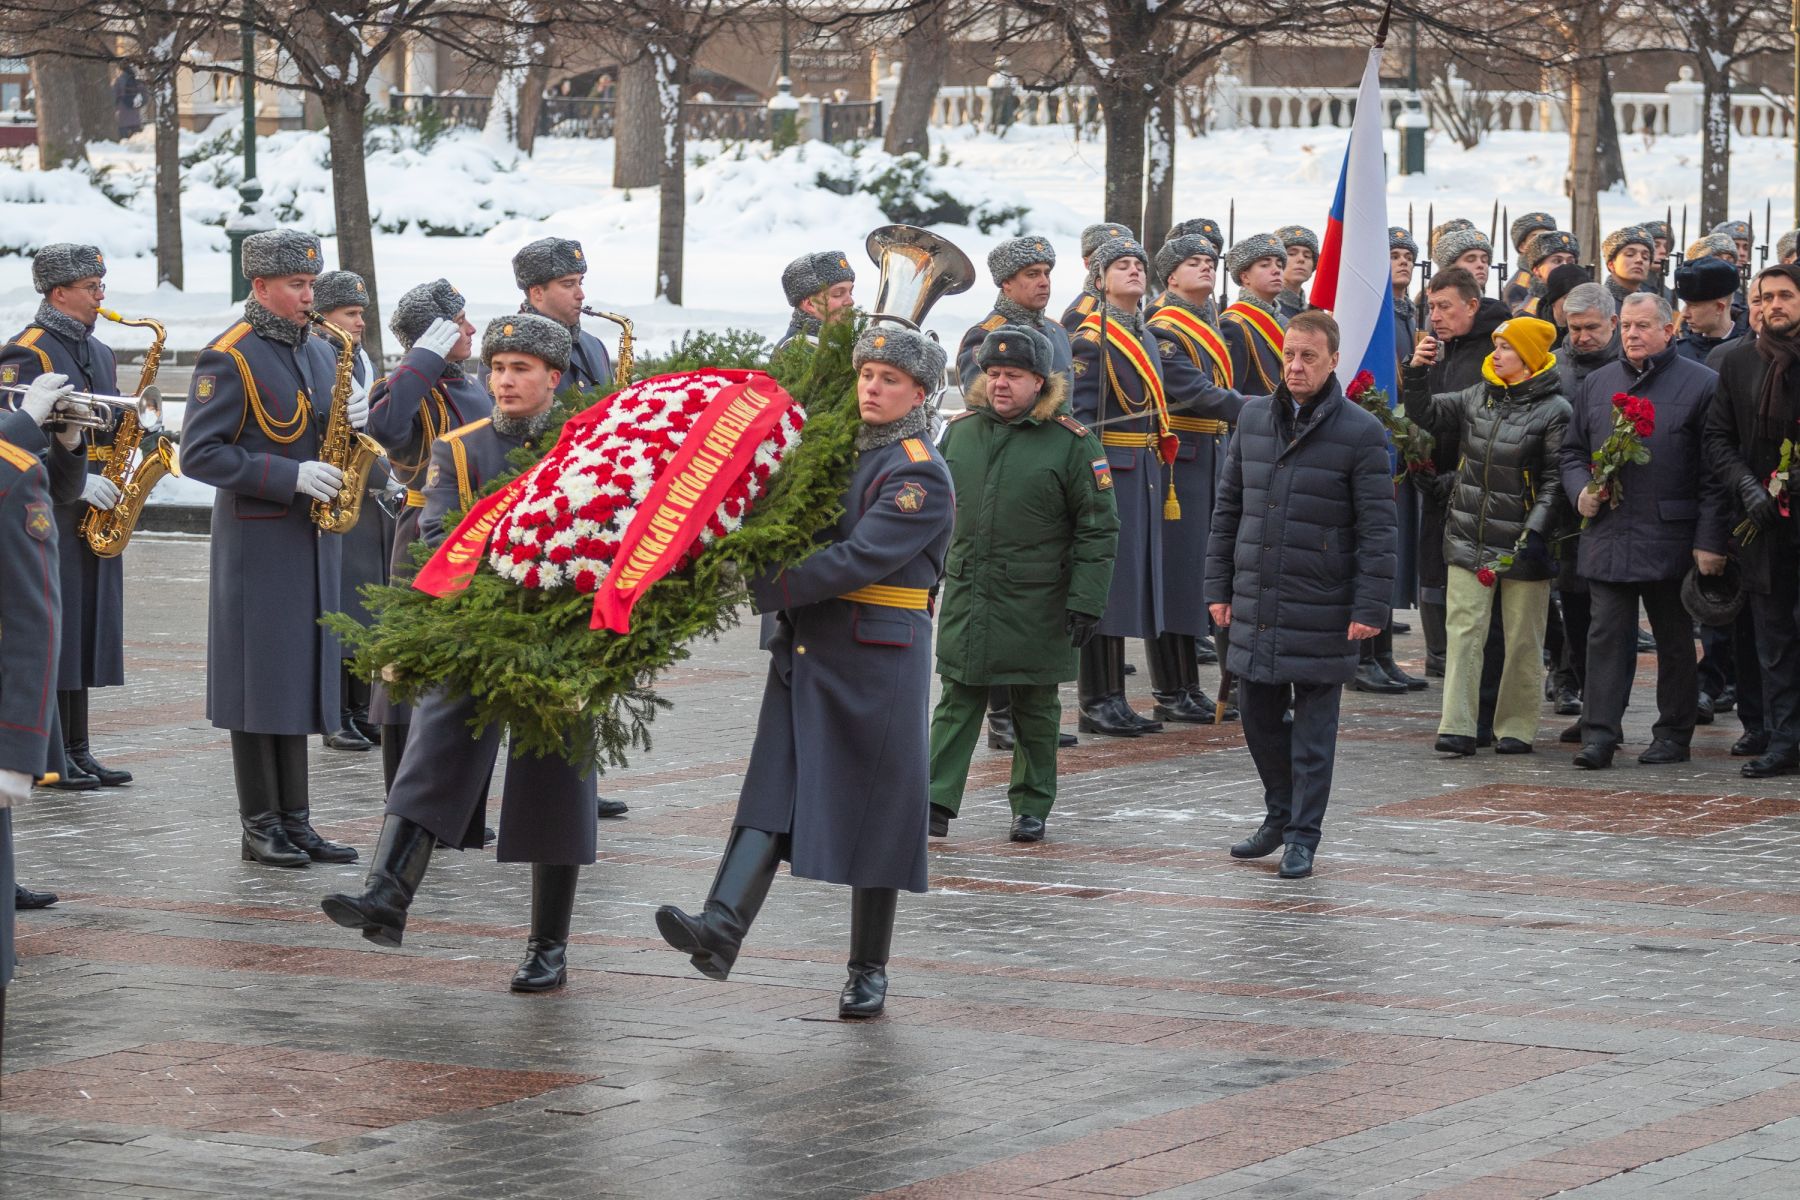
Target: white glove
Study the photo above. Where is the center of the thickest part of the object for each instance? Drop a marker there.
(439, 337)
(359, 405)
(45, 392)
(15, 788)
(100, 492)
(319, 480)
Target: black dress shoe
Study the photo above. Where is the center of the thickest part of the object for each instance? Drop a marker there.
(1461, 745)
(610, 808)
(1767, 766)
(1264, 842)
(1568, 704)
(347, 738)
(1646, 641)
(1296, 862)
(1661, 751)
(1411, 683)
(1753, 743)
(1065, 740)
(1595, 756)
(1371, 678)
(1399, 627)
(940, 820)
(1484, 738)
(1570, 736)
(90, 765)
(24, 898)
(367, 728)
(1726, 700)
(1027, 829)
(1434, 666)
(1101, 718)
(1703, 712)
(74, 779)
(1511, 745)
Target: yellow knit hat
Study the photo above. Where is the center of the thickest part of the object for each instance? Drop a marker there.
(1530, 339)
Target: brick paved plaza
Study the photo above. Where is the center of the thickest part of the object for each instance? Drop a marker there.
(1507, 979)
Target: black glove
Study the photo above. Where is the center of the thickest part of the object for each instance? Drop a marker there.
(1080, 627)
(1759, 506)
(1534, 548)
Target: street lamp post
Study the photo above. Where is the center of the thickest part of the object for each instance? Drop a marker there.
(249, 219)
(1413, 122)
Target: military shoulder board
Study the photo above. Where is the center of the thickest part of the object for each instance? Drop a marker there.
(18, 456)
(916, 449)
(994, 322)
(1071, 424)
(967, 412)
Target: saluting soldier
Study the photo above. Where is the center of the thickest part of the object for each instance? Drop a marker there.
(1202, 409)
(1519, 288)
(432, 391)
(1302, 246)
(257, 408)
(550, 272)
(60, 340)
(1029, 568)
(1118, 391)
(1020, 267)
(440, 794)
(818, 286)
(1250, 325)
(1091, 239)
(838, 782)
(341, 298)
(30, 587)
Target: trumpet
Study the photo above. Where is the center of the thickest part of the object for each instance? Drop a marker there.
(86, 411)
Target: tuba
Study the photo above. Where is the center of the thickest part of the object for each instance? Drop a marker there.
(107, 532)
(351, 452)
(621, 369)
(918, 268)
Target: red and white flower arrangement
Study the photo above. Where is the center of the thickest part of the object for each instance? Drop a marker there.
(579, 500)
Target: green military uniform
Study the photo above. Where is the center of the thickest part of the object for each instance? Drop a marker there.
(1036, 530)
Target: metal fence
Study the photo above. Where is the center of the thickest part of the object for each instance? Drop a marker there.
(712, 120)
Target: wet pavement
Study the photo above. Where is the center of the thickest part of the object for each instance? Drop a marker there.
(1507, 979)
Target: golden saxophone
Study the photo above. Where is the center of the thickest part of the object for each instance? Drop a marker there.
(621, 369)
(107, 531)
(351, 452)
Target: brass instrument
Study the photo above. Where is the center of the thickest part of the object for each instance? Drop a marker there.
(107, 531)
(89, 411)
(351, 452)
(918, 268)
(621, 369)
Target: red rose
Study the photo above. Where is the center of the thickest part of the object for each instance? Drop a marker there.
(1620, 398)
(1485, 577)
(1645, 426)
(1363, 382)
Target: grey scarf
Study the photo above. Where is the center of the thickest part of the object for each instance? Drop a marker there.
(62, 324)
(913, 424)
(526, 428)
(276, 329)
(1118, 316)
(804, 324)
(1018, 314)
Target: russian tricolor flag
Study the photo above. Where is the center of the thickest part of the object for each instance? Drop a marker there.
(1354, 280)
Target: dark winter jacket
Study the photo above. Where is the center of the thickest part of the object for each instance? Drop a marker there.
(1576, 367)
(1302, 537)
(1506, 481)
(1458, 367)
(1736, 450)
(1668, 506)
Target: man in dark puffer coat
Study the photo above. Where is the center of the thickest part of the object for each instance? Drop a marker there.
(1506, 500)
(1300, 567)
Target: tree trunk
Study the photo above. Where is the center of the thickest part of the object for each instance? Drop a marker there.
(531, 101)
(56, 84)
(1584, 135)
(671, 230)
(350, 201)
(167, 116)
(923, 52)
(1715, 142)
(1608, 153)
(1124, 107)
(99, 118)
(637, 127)
(1159, 201)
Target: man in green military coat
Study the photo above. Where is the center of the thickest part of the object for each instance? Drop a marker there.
(1028, 571)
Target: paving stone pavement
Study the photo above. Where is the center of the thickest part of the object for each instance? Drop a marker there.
(1507, 979)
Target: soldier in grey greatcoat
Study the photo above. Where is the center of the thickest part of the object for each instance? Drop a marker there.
(838, 782)
(30, 587)
(1302, 246)
(1118, 391)
(434, 390)
(60, 340)
(341, 298)
(440, 793)
(818, 286)
(256, 412)
(550, 272)
(1092, 238)
(1020, 268)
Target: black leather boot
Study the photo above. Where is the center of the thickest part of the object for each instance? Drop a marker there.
(999, 718)
(72, 777)
(1094, 692)
(259, 802)
(296, 817)
(359, 694)
(1370, 677)
(346, 736)
(871, 934)
(1116, 677)
(552, 904)
(1433, 617)
(401, 857)
(712, 940)
(1384, 658)
(75, 739)
(1171, 657)
(393, 745)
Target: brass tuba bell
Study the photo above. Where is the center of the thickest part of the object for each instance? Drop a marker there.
(918, 269)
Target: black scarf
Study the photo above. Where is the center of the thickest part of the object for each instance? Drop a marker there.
(1775, 406)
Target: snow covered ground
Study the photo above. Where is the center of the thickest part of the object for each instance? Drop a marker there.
(749, 212)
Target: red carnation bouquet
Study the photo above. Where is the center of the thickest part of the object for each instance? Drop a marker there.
(1634, 419)
(1777, 483)
(1412, 443)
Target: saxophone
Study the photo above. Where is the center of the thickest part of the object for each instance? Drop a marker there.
(351, 452)
(622, 369)
(107, 531)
